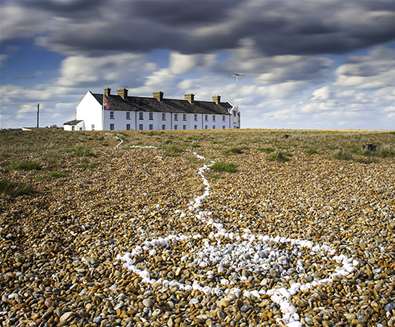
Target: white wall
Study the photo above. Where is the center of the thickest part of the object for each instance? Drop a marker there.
(77, 127)
(119, 120)
(91, 112)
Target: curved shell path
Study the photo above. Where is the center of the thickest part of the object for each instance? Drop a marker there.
(245, 250)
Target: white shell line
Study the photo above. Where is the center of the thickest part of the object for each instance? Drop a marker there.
(234, 251)
(120, 142)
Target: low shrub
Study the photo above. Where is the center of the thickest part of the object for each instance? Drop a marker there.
(341, 154)
(311, 151)
(236, 150)
(266, 150)
(224, 167)
(279, 156)
(173, 150)
(82, 151)
(25, 165)
(15, 189)
(57, 174)
(386, 151)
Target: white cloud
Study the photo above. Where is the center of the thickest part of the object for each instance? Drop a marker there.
(117, 68)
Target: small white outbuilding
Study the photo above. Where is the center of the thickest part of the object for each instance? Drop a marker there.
(74, 125)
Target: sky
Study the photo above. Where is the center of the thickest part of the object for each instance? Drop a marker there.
(326, 64)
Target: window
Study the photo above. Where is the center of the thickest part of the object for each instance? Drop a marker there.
(205, 127)
(184, 127)
(206, 118)
(141, 115)
(111, 114)
(128, 115)
(213, 126)
(175, 126)
(234, 113)
(141, 127)
(184, 117)
(195, 126)
(163, 127)
(112, 127)
(93, 127)
(151, 127)
(72, 128)
(195, 117)
(223, 117)
(151, 116)
(213, 117)
(175, 117)
(128, 127)
(163, 116)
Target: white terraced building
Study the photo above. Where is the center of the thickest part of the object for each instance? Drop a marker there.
(120, 112)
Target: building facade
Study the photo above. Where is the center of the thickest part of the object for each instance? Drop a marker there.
(120, 112)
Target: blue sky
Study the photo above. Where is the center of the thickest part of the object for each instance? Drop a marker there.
(303, 64)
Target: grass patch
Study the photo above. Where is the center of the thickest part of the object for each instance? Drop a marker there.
(224, 167)
(25, 165)
(386, 151)
(86, 165)
(266, 150)
(341, 154)
(57, 174)
(173, 150)
(236, 150)
(82, 151)
(15, 189)
(311, 151)
(279, 156)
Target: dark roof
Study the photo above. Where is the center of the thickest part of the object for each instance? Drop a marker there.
(134, 103)
(72, 122)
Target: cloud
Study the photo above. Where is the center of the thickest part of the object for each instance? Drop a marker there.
(79, 71)
(363, 84)
(286, 27)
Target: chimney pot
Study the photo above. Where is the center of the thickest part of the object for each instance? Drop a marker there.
(158, 95)
(107, 92)
(217, 99)
(122, 93)
(189, 97)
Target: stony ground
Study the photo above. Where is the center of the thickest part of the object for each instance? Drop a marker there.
(70, 204)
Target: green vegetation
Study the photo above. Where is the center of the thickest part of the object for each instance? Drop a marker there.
(15, 189)
(279, 156)
(56, 174)
(311, 151)
(342, 154)
(81, 151)
(173, 150)
(25, 165)
(236, 150)
(224, 167)
(266, 150)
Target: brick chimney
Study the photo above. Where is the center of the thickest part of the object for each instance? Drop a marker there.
(189, 97)
(158, 95)
(107, 92)
(122, 93)
(217, 99)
